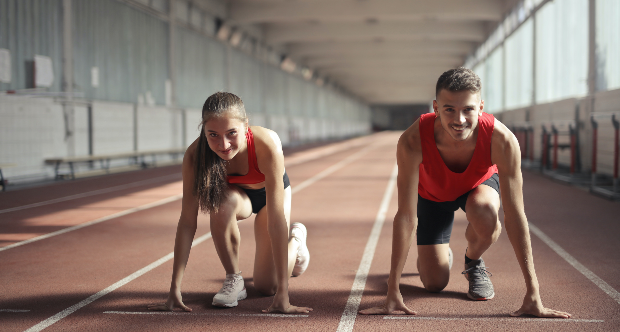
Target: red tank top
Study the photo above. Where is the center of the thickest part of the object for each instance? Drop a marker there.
(254, 175)
(437, 182)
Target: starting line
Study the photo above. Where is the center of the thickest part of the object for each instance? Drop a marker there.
(183, 313)
(14, 310)
(513, 319)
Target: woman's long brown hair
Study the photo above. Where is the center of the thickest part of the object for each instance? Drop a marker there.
(210, 179)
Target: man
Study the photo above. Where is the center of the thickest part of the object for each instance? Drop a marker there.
(457, 158)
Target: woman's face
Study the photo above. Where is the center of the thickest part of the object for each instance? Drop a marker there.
(226, 136)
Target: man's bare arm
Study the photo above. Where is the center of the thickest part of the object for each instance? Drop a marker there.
(505, 152)
(409, 158)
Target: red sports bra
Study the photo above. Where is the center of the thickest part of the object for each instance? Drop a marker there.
(254, 175)
(437, 182)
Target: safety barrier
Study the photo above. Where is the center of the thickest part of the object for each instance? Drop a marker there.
(138, 158)
(597, 187)
(3, 182)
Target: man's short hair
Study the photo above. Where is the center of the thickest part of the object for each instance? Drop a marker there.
(459, 79)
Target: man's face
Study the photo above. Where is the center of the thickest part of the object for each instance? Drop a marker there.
(458, 112)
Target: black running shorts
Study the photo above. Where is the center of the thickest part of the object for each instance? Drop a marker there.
(258, 197)
(435, 218)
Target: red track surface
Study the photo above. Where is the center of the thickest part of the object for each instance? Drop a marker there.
(46, 277)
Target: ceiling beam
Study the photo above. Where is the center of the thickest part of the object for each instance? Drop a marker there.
(360, 31)
(390, 61)
(375, 72)
(397, 99)
(332, 49)
(244, 12)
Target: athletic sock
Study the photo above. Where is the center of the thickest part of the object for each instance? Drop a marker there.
(467, 259)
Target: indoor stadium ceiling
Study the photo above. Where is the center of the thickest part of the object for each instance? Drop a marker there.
(384, 51)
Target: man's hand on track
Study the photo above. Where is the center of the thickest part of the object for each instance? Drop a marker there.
(392, 304)
(535, 308)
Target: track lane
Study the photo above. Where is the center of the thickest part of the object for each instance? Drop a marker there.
(204, 272)
(560, 218)
(562, 286)
(101, 269)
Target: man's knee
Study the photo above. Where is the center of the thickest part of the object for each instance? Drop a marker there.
(484, 218)
(435, 284)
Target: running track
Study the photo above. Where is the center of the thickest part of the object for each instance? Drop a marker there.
(107, 255)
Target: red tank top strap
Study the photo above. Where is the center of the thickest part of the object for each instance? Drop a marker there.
(254, 174)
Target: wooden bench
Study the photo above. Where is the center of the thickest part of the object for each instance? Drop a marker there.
(2, 181)
(137, 157)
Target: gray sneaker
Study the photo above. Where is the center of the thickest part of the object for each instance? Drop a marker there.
(480, 286)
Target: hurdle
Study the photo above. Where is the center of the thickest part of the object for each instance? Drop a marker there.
(552, 131)
(603, 187)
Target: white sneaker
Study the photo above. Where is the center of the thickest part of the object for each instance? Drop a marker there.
(299, 232)
(450, 258)
(232, 291)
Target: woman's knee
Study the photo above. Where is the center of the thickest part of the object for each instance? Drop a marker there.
(265, 287)
(228, 209)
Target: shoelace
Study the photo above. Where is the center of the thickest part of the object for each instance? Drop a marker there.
(229, 285)
(482, 269)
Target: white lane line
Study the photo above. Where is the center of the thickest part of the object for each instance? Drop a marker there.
(512, 320)
(46, 323)
(90, 193)
(350, 311)
(182, 313)
(14, 310)
(605, 287)
(331, 169)
(93, 222)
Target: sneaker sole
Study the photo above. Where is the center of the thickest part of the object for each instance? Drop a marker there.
(481, 298)
(241, 296)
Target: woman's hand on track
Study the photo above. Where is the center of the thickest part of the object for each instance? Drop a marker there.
(281, 304)
(392, 304)
(174, 301)
(534, 307)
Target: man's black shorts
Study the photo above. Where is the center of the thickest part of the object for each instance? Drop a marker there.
(435, 218)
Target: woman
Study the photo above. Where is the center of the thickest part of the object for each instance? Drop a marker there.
(212, 181)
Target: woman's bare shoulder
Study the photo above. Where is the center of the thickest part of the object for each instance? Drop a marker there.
(266, 139)
(190, 152)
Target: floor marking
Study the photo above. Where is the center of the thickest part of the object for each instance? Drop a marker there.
(93, 222)
(350, 311)
(513, 320)
(54, 319)
(182, 313)
(605, 287)
(46, 323)
(89, 193)
(331, 169)
(14, 310)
